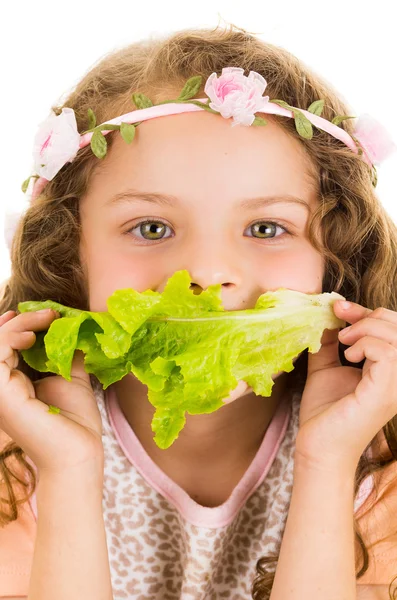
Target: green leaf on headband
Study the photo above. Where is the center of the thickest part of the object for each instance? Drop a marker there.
(127, 132)
(316, 107)
(190, 88)
(340, 118)
(107, 127)
(91, 119)
(25, 184)
(303, 125)
(359, 149)
(141, 101)
(282, 104)
(99, 144)
(259, 121)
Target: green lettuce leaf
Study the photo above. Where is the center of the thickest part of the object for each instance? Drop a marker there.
(184, 347)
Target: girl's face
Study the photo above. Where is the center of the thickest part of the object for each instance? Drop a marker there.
(202, 185)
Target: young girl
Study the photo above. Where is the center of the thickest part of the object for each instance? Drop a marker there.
(294, 495)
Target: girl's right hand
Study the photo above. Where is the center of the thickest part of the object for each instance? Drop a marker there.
(53, 441)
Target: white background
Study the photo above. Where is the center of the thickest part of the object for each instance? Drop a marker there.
(47, 46)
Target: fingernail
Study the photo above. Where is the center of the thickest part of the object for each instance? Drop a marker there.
(228, 400)
(344, 331)
(48, 311)
(345, 305)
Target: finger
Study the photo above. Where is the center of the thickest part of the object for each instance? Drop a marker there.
(17, 334)
(11, 357)
(376, 328)
(371, 348)
(74, 400)
(241, 389)
(353, 313)
(376, 390)
(30, 320)
(16, 410)
(44, 389)
(10, 343)
(7, 317)
(78, 369)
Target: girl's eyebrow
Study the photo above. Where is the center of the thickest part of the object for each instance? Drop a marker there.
(132, 195)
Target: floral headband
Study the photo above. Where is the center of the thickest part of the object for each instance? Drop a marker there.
(231, 95)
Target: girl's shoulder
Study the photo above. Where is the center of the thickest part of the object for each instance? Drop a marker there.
(16, 540)
(377, 521)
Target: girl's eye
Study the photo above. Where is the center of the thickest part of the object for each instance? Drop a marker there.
(151, 231)
(264, 228)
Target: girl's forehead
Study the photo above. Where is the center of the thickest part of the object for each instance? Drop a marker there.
(199, 150)
(199, 131)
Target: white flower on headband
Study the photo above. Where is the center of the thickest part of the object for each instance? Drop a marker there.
(56, 142)
(235, 95)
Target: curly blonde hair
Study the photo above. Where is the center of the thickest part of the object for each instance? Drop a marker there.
(359, 239)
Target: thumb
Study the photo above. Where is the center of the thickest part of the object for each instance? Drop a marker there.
(241, 389)
(77, 370)
(328, 355)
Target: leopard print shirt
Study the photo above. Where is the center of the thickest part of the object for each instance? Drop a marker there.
(162, 545)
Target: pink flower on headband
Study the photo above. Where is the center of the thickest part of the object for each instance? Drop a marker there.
(56, 143)
(374, 139)
(235, 95)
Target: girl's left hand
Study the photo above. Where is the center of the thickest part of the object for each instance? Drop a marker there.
(342, 407)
